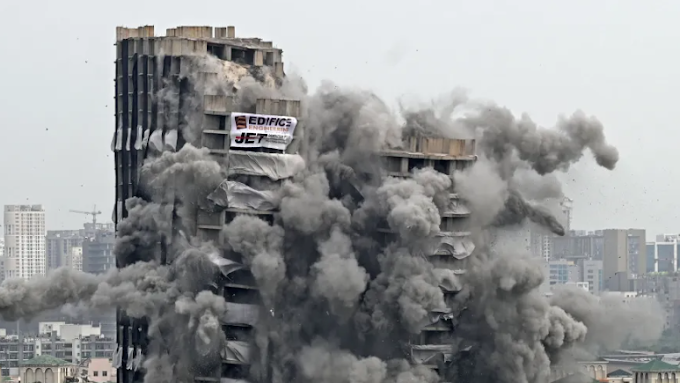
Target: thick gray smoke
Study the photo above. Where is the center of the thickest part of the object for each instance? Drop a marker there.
(544, 150)
(348, 272)
(610, 319)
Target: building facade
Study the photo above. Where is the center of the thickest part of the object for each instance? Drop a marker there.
(146, 65)
(71, 343)
(560, 272)
(662, 254)
(579, 244)
(24, 241)
(98, 258)
(624, 258)
(97, 252)
(665, 287)
(60, 248)
(591, 272)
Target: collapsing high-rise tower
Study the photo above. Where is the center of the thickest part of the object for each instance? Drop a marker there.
(150, 71)
(164, 101)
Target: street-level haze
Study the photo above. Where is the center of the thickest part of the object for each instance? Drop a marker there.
(338, 306)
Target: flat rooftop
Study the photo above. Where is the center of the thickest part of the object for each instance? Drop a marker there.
(220, 42)
(220, 35)
(421, 147)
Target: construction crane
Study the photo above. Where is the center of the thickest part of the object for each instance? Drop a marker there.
(93, 213)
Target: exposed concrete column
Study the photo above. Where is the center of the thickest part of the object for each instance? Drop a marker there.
(278, 69)
(258, 59)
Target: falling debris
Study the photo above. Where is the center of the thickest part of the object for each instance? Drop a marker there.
(352, 248)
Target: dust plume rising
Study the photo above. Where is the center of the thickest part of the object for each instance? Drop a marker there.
(361, 275)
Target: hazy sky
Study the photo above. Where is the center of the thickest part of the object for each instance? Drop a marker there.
(617, 60)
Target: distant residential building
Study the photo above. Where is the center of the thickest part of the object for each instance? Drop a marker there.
(24, 227)
(663, 253)
(579, 243)
(98, 258)
(560, 272)
(90, 230)
(624, 258)
(50, 327)
(68, 331)
(567, 207)
(100, 370)
(15, 349)
(667, 237)
(77, 258)
(546, 246)
(651, 257)
(69, 248)
(591, 272)
(97, 252)
(60, 245)
(637, 252)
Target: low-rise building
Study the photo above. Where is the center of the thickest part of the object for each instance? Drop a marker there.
(577, 377)
(560, 272)
(99, 370)
(45, 369)
(620, 376)
(15, 350)
(656, 371)
(663, 253)
(582, 372)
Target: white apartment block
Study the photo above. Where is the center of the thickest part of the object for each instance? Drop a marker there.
(76, 261)
(24, 241)
(546, 247)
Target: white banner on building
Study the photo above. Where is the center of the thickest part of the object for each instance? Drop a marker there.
(261, 131)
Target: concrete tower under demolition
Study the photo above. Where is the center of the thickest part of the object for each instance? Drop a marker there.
(157, 88)
(151, 70)
(449, 249)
